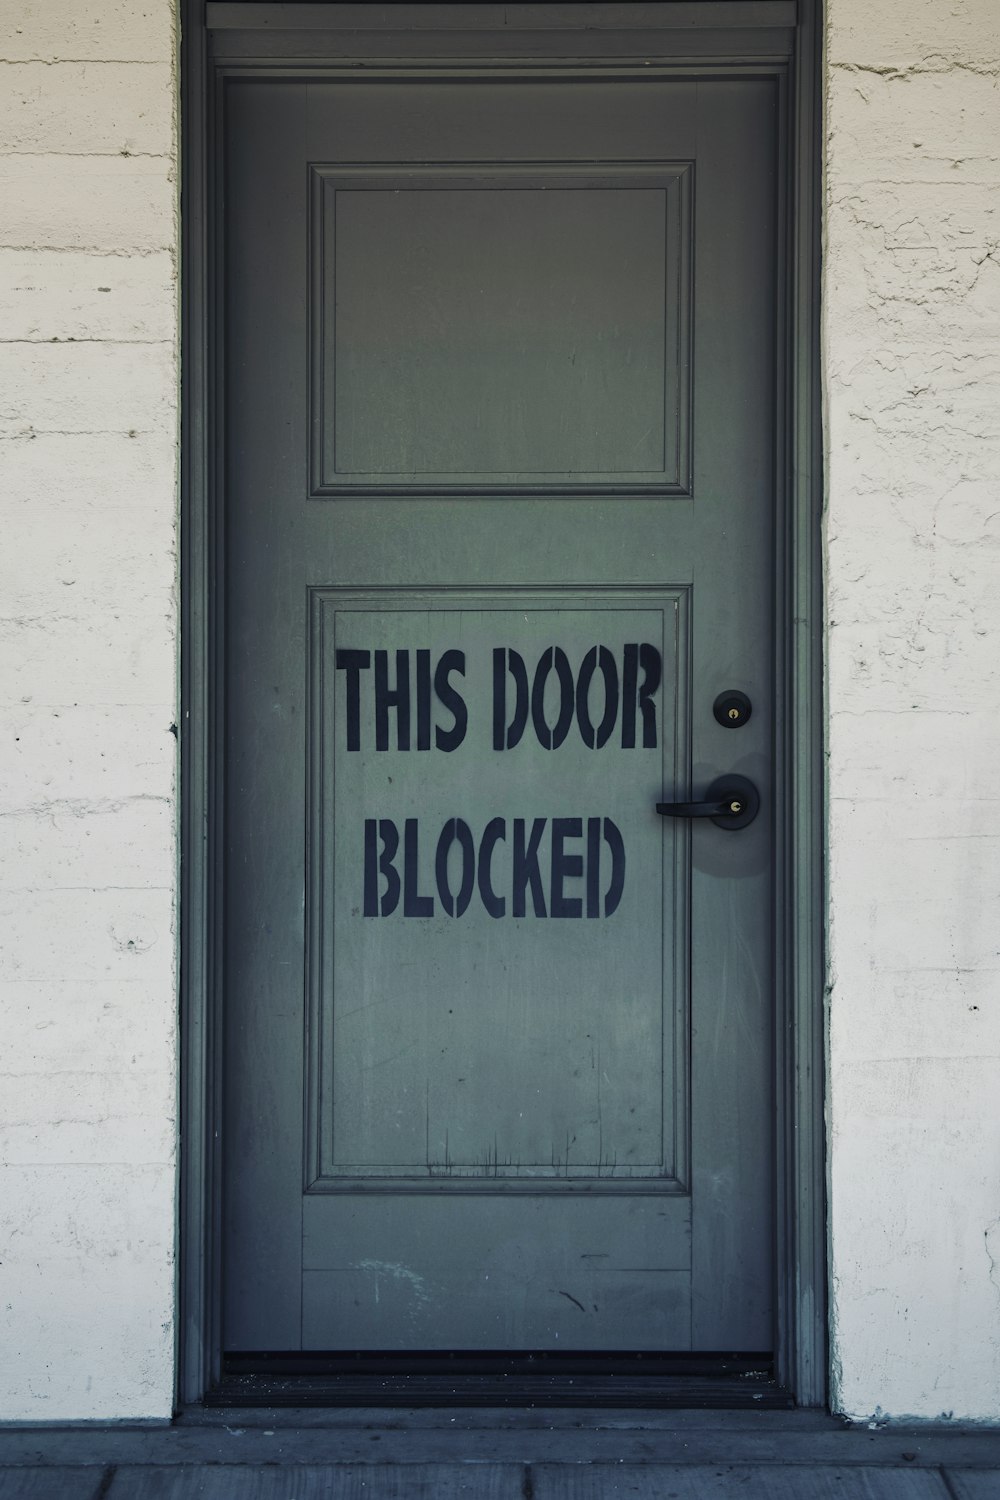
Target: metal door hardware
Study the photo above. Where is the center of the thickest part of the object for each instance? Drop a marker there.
(731, 802)
(732, 709)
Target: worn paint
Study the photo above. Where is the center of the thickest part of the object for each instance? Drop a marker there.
(912, 385)
(88, 426)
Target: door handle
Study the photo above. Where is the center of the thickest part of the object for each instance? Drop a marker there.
(731, 802)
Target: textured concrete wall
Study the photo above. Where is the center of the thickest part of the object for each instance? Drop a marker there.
(912, 375)
(88, 410)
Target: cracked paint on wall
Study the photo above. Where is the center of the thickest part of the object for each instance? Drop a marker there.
(911, 365)
(88, 449)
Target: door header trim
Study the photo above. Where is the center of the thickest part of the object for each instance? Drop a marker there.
(238, 15)
(722, 31)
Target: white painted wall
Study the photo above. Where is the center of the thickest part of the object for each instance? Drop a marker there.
(88, 407)
(912, 376)
(88, 507)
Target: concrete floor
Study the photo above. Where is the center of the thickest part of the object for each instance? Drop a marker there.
(500, 1455)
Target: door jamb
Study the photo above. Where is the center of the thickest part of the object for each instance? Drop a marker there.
(799, 1154)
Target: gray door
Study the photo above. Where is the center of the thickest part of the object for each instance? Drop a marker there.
(500, 430)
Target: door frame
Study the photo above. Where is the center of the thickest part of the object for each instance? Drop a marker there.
(774, 38)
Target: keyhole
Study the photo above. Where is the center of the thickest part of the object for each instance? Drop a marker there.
(732, 709)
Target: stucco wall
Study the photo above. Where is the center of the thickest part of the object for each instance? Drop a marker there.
(88, 293)
(912, 376)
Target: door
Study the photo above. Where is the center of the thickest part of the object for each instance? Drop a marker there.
(499, 492)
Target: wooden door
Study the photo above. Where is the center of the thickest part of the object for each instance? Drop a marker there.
(499, 468)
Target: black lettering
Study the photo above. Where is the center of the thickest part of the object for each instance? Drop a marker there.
(615, 842)
(414, 905)
(353, 663)
(384, 884)
(397, 698)
(630, 684)
(450, 739)
(455, 831)
(635, 696)
(565, 867)
(652, 666)
(526, 871)
(494, 833)
(593, 867)
(596, 738)
(505, 736)
(554, 657)
(377, 864)
(423, 700)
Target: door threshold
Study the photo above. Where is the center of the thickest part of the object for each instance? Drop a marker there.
(461, 1379)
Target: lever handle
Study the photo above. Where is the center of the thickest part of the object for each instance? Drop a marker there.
(731, 802)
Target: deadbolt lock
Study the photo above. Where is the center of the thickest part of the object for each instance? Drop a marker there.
(732, 709)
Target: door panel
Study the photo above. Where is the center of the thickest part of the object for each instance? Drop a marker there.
(438, 369)
(499, 378)
(512, 859)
